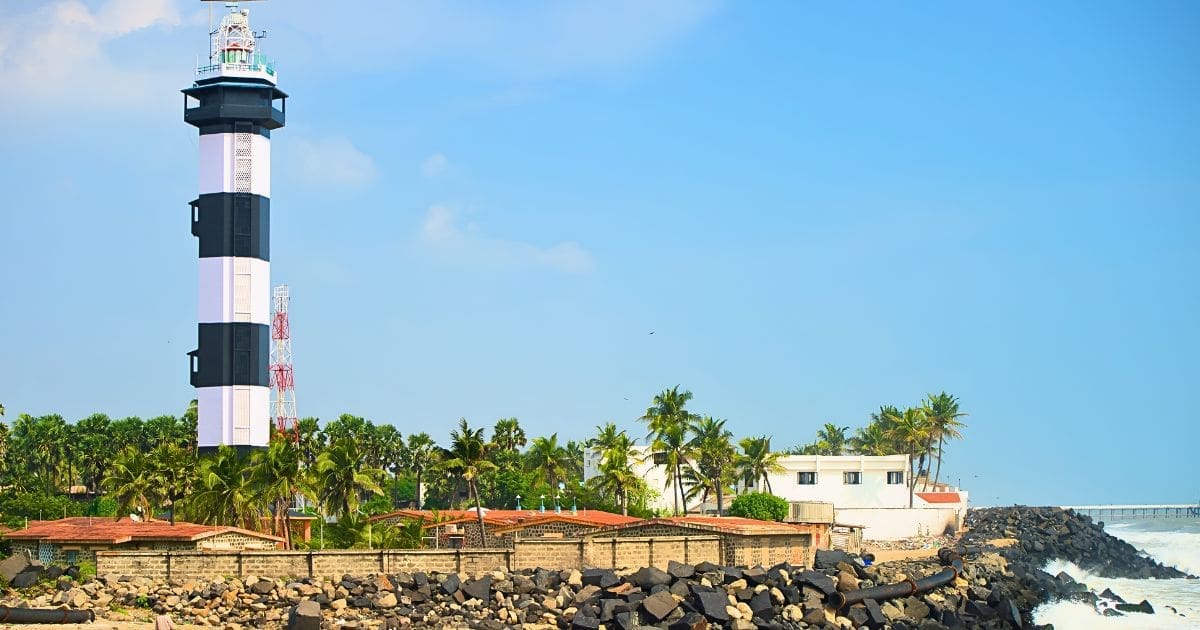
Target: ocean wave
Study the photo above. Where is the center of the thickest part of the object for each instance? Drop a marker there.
(1162, 541)
(1182, 595)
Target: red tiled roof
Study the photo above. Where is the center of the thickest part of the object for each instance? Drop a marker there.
(717, 524)
(116, 531)
(940, 497)
(508, 517)
(588, 519)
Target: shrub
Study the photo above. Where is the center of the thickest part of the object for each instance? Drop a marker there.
(759, 505)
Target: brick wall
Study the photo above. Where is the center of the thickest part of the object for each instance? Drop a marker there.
(547, 553)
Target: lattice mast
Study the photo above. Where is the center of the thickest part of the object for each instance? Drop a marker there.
(283, 380)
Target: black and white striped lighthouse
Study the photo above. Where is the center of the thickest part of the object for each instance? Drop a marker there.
(235, 105)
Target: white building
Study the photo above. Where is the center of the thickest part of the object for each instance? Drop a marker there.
(864, 490)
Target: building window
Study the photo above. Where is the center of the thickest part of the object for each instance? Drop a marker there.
(852, 478)
(806, 478)
(72, 557)
(895, 478)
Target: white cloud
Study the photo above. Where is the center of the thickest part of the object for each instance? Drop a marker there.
(466, 245)
(332, 162)
(434, 166)
(55, 54)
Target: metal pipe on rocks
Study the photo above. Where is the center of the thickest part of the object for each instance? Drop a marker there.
(45, 615)
(949, 558)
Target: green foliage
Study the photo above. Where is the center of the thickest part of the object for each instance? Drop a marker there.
(87, 570)
(102, 506)
(377, 504)
(759, 505)
(18, 506)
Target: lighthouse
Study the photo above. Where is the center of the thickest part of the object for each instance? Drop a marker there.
(235, 105)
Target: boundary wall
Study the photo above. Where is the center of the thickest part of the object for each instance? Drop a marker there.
(897, 523)
(557, 554)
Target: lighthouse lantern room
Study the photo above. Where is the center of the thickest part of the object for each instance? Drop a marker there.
(235, 105)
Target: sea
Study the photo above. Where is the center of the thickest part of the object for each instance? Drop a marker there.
(1171, 541)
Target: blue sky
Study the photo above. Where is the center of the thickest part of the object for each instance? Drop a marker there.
(484, 210)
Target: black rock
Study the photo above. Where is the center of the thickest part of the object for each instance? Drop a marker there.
(451, 584)
(72, 572)
(817, 580)
(305, 616)
(814, 617)
(54, 572)
(755, 576)
(585, 622)
(681, 587)
(480, 589)
(762, 607)
(791, 594)
(680, 570)
(321, 599)
(690, 621)
(25, 579)
(1008, 611)
(624, 621)
(262, 587)
(1143, 607)
(744, 594)
(858, 614)
(603, 578)
(875, 616)
(732, 574)
(828, 559)
(657, 606)
(1108, 594)
(708, 567)
(711, 602)
(608, 608)
(649, 577)
(420, 578)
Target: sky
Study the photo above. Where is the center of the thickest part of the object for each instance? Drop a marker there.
(553, 211)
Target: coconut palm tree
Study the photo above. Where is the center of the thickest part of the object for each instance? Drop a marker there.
(832, 439)
(607, 436)
(757, 462)
(172, 473)
(616, 478)
(130, 483)
(224, 493)
(508, 435)
(715, 457)
(552, 460)
(910, 431)
(468, 458)
(420, 455)
(279, 476)
(667, 419)
(871, 440)
(343, 476)
(943, 413)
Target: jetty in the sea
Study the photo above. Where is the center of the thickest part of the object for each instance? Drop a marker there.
(1111, 512)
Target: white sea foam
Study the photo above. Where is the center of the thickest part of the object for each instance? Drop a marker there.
(1174, 542)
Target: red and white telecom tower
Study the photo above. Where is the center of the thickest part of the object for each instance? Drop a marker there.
(283, 382)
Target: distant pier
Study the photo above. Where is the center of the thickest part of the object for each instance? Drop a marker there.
(1113, 512)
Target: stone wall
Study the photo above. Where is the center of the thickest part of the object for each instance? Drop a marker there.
(544, 553)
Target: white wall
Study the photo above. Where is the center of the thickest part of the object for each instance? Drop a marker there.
(217, 164)
(234, 290)
(233, 414)
(896, 523)
(643, 466)
(874, 491)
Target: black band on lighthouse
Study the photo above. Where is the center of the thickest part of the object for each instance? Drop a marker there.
(232, 224)
(231, 354)
(227, 102)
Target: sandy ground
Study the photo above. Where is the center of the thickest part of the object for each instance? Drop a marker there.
(886, 555)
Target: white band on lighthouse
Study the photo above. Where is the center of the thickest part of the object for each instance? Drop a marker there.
(235, 163)
(233, 414)
(234, 289)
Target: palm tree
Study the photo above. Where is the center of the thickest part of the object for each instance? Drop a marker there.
(574, 452)
(309, 440)
(943, 413)
(468, 458)
(616, 476)
(910, 431)
(279, 476)
(552, 460)
(607, 436)
(171, 470)
(832, 439)
(420, 454)
(130, 483)
(871, 440)
(757, 462)
(667, 419)
(343, 476)
(715, 458)
(96, 449)
(224, 492)
(508, 435)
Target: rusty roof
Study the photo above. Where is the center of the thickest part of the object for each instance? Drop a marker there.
(589, 519)
(115, 531)
(508, 517)
(717, 524)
